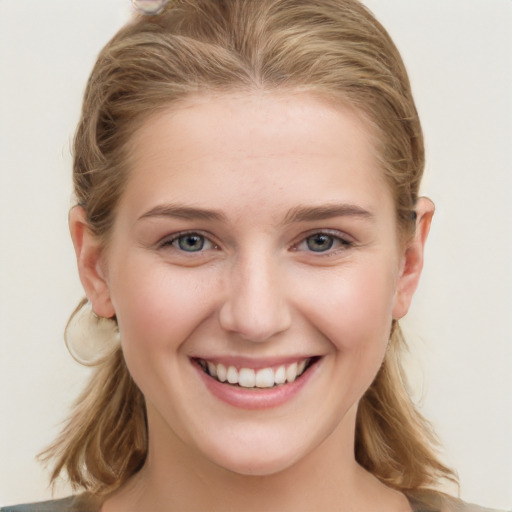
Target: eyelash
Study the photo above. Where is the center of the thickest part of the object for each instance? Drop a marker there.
(170, 242)
(337, 243)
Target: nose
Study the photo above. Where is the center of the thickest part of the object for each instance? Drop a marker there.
(255, 306)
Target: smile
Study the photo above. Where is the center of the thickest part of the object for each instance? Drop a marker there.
(256, 378)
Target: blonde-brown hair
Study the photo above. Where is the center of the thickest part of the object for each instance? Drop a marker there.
(333, 48)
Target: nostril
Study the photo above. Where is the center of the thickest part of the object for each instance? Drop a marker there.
(254, 324)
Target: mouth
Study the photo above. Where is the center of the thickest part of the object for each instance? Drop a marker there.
(260, 378)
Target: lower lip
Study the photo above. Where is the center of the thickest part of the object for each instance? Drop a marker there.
(256, 398)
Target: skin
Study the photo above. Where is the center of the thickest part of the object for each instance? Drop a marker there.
(256, 291)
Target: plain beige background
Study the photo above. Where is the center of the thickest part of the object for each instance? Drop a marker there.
(459, 55)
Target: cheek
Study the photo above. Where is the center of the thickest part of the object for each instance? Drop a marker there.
(159, 306)
(353, 308)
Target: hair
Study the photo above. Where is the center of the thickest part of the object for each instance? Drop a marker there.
(332, 48)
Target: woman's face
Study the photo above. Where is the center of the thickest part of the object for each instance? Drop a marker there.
(255, 244)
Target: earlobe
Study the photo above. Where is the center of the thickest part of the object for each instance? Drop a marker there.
(413, 259)
(89, 256)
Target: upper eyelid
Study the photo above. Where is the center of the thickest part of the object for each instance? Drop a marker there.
(335, 233)
(167, 240)
(346, 240)
(342, 236)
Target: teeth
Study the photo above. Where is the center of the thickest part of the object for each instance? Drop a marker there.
(291, 372)
(246, 378)
(264, 378)
(280, 375)
(232, 375)
(212, 370)
(249, 378)
(221, 373)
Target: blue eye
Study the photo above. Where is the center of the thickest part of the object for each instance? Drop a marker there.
(319, 242)
(322, 242)
(190, 242)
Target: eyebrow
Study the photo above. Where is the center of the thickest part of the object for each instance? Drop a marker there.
(183, 212)
(312, 213)
(297, 214)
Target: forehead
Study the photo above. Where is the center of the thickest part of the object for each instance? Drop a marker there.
(254, 148)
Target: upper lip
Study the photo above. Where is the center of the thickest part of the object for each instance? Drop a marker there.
(254, 363)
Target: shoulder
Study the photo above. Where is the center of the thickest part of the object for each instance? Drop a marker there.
(461, 506)
(81, 503)
(430, 501)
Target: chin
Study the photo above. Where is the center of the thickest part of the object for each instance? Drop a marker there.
(253, 458)
(256, 466)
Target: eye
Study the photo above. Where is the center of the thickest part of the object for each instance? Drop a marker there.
(319, 242)
(322, 242)
(189, 242)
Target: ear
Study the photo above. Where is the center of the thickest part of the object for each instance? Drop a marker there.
(412, 263)
(91, 264)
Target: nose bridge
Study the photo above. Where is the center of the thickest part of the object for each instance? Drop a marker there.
(256, 306)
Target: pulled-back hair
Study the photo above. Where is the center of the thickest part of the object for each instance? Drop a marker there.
(333, 48)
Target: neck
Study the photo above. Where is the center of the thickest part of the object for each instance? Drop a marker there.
(328, 478)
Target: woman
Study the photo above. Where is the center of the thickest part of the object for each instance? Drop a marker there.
(248, 225)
